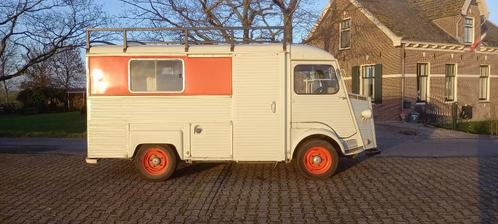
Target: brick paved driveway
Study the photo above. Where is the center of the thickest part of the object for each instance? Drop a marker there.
(61, 189)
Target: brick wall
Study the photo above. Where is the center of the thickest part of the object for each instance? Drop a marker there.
(468, 72)
(369, 46)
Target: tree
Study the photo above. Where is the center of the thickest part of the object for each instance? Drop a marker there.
(6, 68)
(45, 84)
(219, 14)
(69, 69)
(288, 8)
(5, 86)
(200, 13)
(37, 30)
(39, 75)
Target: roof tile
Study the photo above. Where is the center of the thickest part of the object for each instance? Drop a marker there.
(411, 19)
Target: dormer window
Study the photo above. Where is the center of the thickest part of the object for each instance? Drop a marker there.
(468, 30)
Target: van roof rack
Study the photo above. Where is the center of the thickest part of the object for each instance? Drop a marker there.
(188, 36)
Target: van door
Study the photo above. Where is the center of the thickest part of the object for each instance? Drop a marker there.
(259, 106)
(320, 97)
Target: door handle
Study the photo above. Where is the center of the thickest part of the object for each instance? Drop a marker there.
(197, 129)
(273, 107)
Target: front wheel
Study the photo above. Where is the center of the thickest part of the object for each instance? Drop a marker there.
(316, 159)
(156, 163)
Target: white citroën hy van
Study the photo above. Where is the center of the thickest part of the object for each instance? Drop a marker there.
(158, 104)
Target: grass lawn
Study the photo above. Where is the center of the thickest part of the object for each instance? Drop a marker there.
(66, 125)
(476, 127)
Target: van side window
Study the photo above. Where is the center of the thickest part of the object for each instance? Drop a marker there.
(156, 76)
(315, 79)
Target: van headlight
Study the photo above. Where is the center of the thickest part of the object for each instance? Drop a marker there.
(366, 114)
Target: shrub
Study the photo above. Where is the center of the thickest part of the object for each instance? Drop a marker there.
(8, 108)
(41, 99)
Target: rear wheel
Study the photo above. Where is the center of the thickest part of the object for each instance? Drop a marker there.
(316, 158)
(156, 163)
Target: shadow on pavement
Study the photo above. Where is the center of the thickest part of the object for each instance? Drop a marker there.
(348, 163)
(190, 169)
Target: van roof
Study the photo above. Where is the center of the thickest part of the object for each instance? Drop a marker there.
(298, 51)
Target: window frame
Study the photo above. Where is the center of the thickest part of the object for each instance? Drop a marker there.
(455, 83)
(157, 59)
(488, 83)
(315, 94)
(362, 75)
(428, 82)
(472, 27)
(346, 29)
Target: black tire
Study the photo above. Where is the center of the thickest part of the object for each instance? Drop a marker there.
(311, 149)
(155, 172)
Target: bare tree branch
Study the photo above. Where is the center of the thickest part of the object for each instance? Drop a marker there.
(39, 29)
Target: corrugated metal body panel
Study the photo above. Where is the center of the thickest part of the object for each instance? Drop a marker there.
(107, 128)
(258, 107)
(211, 141)
(109, 118)
(178, 109)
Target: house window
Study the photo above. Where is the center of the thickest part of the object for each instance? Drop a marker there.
(450, 82)
(156, 75)
(422, 81)
(468, 29)
(315, 80)
(484, 83)
(345, 34)
(368, 80)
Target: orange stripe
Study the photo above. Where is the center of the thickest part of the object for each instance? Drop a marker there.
(204, 76)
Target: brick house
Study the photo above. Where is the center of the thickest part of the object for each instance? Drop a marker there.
(406, 54)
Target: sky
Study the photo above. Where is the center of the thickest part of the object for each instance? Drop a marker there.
(493, 9)
(115, 7)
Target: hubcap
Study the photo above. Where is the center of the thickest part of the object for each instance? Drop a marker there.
(318, 160)
(155, 161)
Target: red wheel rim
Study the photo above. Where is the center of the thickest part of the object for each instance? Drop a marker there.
(155, 161)
(317, 160)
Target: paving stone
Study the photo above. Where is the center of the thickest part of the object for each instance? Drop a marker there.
(63, 189)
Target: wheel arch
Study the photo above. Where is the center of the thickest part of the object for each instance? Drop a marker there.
(326, 135)
(172, 146)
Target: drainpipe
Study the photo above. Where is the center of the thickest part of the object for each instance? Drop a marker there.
(402, 77)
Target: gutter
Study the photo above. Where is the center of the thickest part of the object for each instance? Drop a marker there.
(403, 55)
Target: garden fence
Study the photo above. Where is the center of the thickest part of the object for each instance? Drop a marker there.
(439, 113)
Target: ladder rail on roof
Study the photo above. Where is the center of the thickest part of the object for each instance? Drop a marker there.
(186, 34)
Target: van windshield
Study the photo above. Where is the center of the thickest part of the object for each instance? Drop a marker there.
(315, 80)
